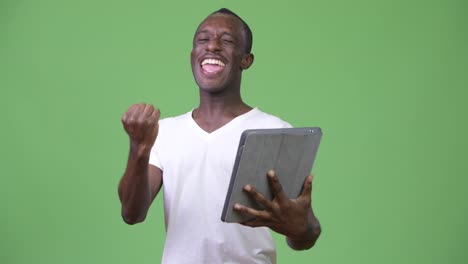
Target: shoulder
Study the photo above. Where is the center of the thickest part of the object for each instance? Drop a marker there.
(175, 120)
(172, 129)
(269, 120)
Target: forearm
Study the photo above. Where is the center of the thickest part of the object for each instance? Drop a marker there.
(309, 237)
(134, 189)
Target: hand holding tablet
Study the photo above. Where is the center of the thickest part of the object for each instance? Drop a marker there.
(290, 152)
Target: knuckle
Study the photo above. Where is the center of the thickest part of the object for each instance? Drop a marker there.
(258, 195)
(133, 107)
(259, 198)
(273, 181)
(276, 208)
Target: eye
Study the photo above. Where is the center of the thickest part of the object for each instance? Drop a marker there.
(202, 38)
(226, 40)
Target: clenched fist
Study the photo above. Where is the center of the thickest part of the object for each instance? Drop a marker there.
(141, 124)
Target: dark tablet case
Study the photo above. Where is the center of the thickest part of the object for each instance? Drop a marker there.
(290, 152)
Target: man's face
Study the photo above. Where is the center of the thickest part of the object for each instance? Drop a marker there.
(218, 52)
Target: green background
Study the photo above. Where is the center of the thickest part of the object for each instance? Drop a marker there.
(386, 81)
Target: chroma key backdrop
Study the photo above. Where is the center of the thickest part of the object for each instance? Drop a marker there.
(386, 81)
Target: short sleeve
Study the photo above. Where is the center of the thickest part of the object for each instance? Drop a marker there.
(286, 125)
(154, 158)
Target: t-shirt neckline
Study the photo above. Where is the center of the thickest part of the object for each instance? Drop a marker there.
(224, 127)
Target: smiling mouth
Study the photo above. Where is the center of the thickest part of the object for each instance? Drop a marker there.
(212, 66)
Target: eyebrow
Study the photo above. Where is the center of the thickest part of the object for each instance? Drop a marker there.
(201, 31)
(208, 32)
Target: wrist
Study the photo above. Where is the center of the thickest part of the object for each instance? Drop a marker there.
(140, 150)
(302, 235)
(307, 238)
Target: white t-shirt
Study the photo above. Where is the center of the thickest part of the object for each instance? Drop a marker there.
(197, 167)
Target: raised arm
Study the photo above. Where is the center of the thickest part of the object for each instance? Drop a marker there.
(141, 182)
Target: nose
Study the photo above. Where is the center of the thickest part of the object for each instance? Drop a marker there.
(213, 45)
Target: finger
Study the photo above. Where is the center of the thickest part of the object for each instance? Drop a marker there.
(260, 198)
(131, 108)
(147, 111)
(144, 115)
(128, 113)
(135, 111)
(276, 186)
(155, 115)
(255, 223)
(307, 190)
(252, 212)
(127, 117)
(141, 112)
(152, 119)
(154, 123)
(124, 117)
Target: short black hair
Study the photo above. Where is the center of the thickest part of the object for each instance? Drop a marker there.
(245, 28)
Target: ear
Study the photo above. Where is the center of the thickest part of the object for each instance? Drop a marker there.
(247, 61)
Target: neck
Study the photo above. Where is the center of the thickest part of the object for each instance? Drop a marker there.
(217, 109)
(220, 104)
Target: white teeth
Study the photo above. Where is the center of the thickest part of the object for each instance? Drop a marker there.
(212, 61)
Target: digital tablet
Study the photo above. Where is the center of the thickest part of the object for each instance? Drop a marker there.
(290, 152)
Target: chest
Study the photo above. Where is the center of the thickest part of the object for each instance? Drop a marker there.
(200, 154)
